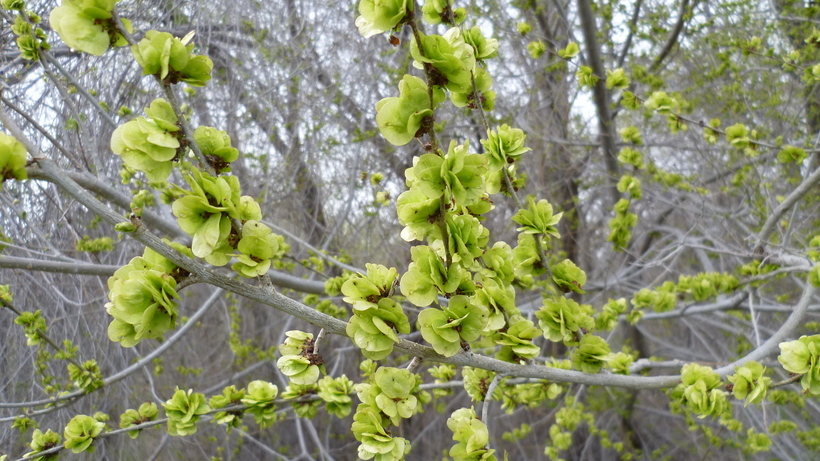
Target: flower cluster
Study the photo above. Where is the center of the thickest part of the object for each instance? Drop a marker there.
(230, 396)
(142, 298)
(207, 212)
(377, 16)
(150, 144)
(390, 395)
(377, 319)
(42, 441)
(451, 57)
(80, 433)
(260, 399)
(298, 362)
(336, 395)
(12, 159)
(750, 383)
(171, 60)
(410, 115)
(449, 328)
(621, 225)
(700, 391)
(471, 435)
(88, 25)
(183, 411)
(146, 412)
(803, 357)
(562, 318)
(591, 355)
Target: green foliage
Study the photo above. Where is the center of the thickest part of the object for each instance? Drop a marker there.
(709, 134)
(30, 45)
(700, 392)
(336, 395)
(517, 433)
(620, 226)
(814, 275)
(450, 55)
(813, 253)
(536, 49)
(183, 411)
(216, 147)
(750, 383)
(365, 292)
(737, 136)
(591, 355)
(95, 245)
(471, 435)
(477, 383)
(791, 154)
(706, 285)
(33, 323)
(390, 395)
(40, 442)
(586, 78)
(538, 218)
(410, 115)
(23, 424)
(80, 433)
(12, 159)
(569, 277)
(517, 340)
(298, 362)
(377, 16)
(170, 59)
(141, 297)
(391, 391)
(757, 442)
(88, 25)
(460, 322)
(610, 313)
(149, 144)
(633, 135)
(570, 51)
(21, 26)
(619, 363)
(504, 145)
(483, 48)
(783, 426)
(427, 277)
(561, 319)
(258, 247)
(663, 299)
(662, 103)
(466, 289)
(206, 213)
(456, 176)
(375, 441)
(88, 377)
(810, 438)
(13, 4)
(631, 185)
(377, 320)
(375, 331)
(617, 79)
(146, 412)
(630, 101)
(801, 357)
(260, 400)
(230, 396)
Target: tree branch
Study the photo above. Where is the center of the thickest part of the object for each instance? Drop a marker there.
(606, 124)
